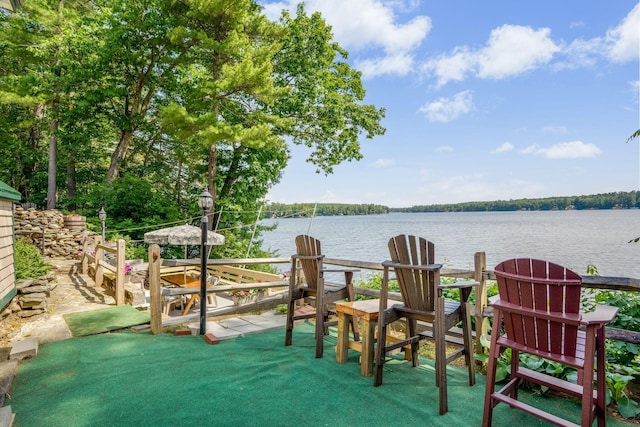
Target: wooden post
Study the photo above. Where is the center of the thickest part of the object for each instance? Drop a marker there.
(120, 246)
(480, 263)
(155, 303)
(99, 269)
(84, 261)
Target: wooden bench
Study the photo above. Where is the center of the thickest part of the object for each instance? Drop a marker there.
(228, 276)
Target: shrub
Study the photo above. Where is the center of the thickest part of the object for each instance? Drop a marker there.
(28, 261)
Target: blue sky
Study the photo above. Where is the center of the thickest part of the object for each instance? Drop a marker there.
(484, 101)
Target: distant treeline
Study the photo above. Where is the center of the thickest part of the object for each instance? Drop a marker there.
(296, 210)
(619, 200)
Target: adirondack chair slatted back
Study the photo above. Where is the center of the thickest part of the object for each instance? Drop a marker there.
(418, 288)
(546, 301)
(308, 246)
(310, 258)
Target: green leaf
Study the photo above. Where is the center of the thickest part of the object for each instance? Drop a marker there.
(628, 408)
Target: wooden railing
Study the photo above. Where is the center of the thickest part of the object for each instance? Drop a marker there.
(480, 310)
(93, 263)
(233, 279)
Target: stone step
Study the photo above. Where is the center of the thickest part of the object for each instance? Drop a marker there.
(7, 372)
(24, 349)
(6, 416)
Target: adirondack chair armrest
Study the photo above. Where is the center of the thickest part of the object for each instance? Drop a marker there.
(423, 267)
(601, 315)
(465, 288)
(303, 257)
(459, 285)
(568, 318)
(340, 270)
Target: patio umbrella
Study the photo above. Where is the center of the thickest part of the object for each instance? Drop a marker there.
(182, 235)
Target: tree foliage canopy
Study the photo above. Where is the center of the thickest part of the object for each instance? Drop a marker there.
(140, 105)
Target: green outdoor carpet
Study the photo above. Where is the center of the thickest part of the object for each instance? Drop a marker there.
(138, 379)
(104, 320)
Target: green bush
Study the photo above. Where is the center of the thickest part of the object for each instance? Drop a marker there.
(28, 261)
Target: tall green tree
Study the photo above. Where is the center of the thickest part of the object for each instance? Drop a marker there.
(324, 108)
(34, 74)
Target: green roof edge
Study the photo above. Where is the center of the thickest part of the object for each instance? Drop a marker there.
(9, 193)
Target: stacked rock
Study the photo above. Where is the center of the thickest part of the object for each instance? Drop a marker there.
(46, 230)
(32, 296)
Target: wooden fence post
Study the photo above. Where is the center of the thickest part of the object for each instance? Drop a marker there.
(480, 264)
(85, 248)
(120, 258)
(155, 303)
(99, 260)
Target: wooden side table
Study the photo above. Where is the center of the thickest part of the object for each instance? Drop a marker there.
(367, 312)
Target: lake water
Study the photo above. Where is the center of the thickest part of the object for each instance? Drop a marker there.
(571, 238)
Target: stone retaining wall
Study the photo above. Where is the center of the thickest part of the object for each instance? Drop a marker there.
(45, 229)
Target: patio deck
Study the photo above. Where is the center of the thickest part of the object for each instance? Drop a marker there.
(144, 379)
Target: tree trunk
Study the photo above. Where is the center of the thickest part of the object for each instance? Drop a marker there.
(71, 181)
(118, 156)
(52, 189)
(212, 170)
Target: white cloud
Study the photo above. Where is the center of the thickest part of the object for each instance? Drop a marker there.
(506, 146)
(382, 163)
(624, 40)
(532, 149)
(565, 150)
(399, 64)
(580, 53)
(369, 26)
(510, 50)
(445, 110)
(444, 148)
(454, 67)
(513, 49)
(619, 44)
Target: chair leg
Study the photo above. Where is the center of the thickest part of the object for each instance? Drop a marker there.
(380, 352)
(352, 297)
(412, 326)
(587, 387)
(515, 366)
(490, 387)
(601, 409)
(468, 343)
(441, 367)
(289, 327)
(212, 299)
(319, 327)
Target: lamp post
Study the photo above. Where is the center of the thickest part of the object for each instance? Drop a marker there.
(103, 217)
(205, 201)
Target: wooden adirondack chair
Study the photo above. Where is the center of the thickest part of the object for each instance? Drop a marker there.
(412, 258)
(539, 305)
(323, 293)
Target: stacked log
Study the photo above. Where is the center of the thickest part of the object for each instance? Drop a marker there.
(46, 230)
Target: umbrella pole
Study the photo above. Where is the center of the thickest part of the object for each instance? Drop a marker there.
(203, 276)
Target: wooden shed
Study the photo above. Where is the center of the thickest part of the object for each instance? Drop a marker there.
(7, 271)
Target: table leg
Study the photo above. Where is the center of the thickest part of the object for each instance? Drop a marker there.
(343, 337)
(368, 340)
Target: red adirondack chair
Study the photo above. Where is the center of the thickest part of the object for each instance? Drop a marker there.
(539, 305)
